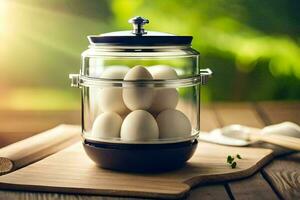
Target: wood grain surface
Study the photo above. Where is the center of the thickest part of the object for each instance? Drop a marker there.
(71, 171)
(284, 172)
(276, 112)
(284, 175)
(17, 125)
(244, 113)
(208, 122)
(209, 192)
(39, 146)
(254, 187)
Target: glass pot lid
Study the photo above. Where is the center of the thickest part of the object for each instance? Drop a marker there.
(139, 37)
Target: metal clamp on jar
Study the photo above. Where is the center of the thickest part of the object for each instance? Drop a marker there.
(140, 99)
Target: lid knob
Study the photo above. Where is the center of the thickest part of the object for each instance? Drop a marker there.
(138, 23)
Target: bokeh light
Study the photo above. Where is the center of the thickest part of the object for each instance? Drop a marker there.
(252, 47)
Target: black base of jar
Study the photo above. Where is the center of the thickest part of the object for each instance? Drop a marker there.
(140, 157)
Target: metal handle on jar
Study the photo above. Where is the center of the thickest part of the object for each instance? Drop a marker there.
(75, 80)
(204, 75)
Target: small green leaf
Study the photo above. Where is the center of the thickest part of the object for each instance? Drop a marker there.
(238, 156)
(229, 159)
(233, 165)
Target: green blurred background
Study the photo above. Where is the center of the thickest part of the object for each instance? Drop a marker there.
(252, 46)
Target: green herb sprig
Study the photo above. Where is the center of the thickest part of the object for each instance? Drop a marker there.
(231, 162)
(230, 159)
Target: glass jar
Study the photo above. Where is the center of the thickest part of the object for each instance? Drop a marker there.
(140, 98)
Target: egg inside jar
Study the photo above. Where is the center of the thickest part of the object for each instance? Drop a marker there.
(148, 113)
(140, 99)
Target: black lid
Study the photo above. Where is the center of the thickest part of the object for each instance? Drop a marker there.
(139, 37)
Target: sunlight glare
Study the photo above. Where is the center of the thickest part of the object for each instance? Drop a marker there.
(3, 14)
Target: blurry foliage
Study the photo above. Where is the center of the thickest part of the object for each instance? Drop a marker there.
(252, 46)
(237, 39)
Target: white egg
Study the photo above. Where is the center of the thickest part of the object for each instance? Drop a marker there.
(164, 98)
(139, 125)
(107, 125)
(138, 98)
(173, 124)
(95, 109)
(114, 72)
(111, 99)
(162, 72)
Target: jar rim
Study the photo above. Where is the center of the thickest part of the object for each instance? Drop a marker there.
(83, 80)
(116, 46)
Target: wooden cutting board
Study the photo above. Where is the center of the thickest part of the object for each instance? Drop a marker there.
(71, 171)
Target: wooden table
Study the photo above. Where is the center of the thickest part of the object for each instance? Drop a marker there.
(280, 179)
